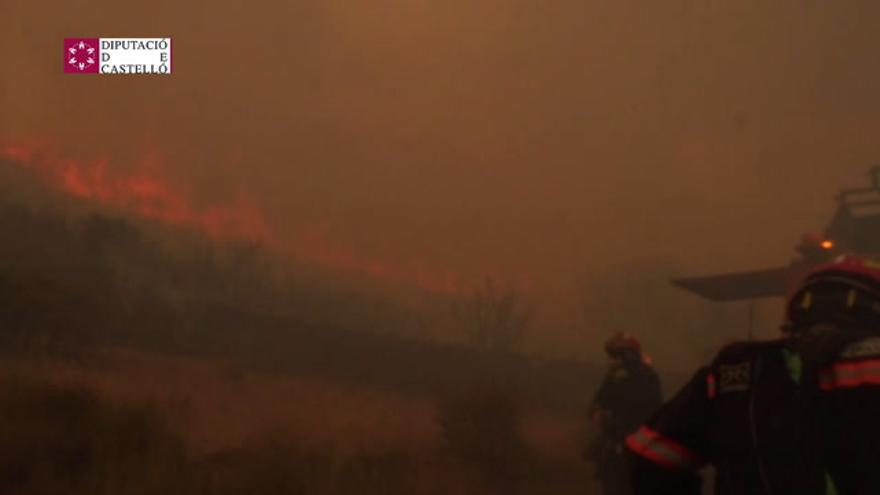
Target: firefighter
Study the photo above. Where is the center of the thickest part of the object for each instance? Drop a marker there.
(744, 414)
(836, 314)
(629, 393)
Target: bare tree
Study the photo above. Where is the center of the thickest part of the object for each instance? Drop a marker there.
(493, 319)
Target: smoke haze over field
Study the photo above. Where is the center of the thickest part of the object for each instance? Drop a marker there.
(442, 141)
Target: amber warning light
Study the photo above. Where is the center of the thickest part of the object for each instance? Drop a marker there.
(827, 244)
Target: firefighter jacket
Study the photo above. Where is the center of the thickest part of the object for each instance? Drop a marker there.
(629, 394)
(743, 414)
(843, 367)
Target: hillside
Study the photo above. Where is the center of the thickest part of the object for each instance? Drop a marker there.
(89, 278)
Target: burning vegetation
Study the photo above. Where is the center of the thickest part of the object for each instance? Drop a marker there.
(148, 352)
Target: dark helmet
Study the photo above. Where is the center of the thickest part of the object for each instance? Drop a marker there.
(845, 292)
(623, 346)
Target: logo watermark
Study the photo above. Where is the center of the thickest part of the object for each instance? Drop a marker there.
(117, 56)
(81, 55)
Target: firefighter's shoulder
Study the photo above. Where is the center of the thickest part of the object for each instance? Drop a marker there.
(841, 345)
(731, 370)
(855, 364)
(744, 350)
(861, 346)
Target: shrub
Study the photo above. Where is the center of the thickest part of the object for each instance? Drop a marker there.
(481, 429)
(58, 439)
(270, 467)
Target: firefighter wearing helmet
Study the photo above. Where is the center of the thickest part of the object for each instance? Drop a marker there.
(747, 415)
(629, 393)
(835, 317)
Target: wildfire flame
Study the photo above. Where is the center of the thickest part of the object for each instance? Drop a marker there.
(145, 194)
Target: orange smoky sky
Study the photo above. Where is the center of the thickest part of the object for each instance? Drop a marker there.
(449, 140)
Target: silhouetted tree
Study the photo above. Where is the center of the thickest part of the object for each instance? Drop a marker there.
(494, 319)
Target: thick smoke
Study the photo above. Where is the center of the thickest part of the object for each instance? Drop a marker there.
(542, 143)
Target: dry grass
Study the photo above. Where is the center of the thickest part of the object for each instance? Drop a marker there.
(247, 432)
